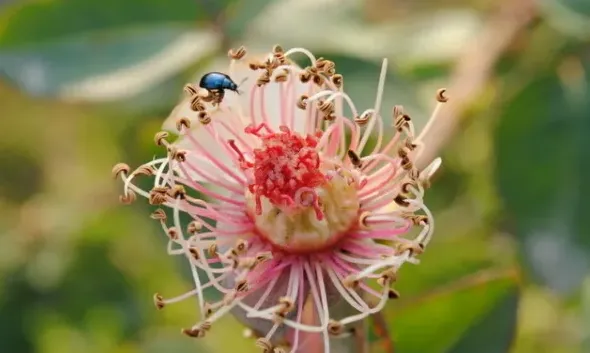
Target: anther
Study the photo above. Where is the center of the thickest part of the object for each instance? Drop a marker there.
(128, 198)
(400, 200)
(144, 170)
(241, 246)
(158, 215)
(194, 227)
(302, 102)
(172, 233)
(120, 168)
(264, 344)
(183, 122)
(277, 49)
(392, 293)
(263, 256)
(287, 305)
(351, 282)
(282, 77)
(337, 80)
(159, 301)
(177, 192)
(190, 90)
(363, 220)
(212, 251)
(335, 328)
(196, 104)
(242, 286)
(304, 76)
(363, 119)
(411, 247)
(195, 253)
(237, 54)
(440, 95)
(160, 138)
(355, 159)
(204, 118)
(318, 80)
(207, 309)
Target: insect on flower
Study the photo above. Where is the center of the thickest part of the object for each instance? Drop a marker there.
(216, 83)
(295, 211)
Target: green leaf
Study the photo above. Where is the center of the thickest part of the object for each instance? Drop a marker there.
(106, 66)
(494, 332)
(39, 21)
(542, 151)
(434, 322)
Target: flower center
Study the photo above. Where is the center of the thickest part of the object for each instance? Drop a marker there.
(300, 202)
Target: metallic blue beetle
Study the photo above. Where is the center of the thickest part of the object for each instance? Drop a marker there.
(217, 83)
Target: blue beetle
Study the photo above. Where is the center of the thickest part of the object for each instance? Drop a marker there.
(217, 83)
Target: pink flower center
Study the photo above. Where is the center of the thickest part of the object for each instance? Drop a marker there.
(299, 201)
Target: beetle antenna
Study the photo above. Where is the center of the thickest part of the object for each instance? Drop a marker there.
(240, 84)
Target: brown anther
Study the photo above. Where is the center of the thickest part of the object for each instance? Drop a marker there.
(263, 256)
(389, 275)
(177, 192)
(330, 117)
(212, 251)
(363, 119)
(144, 170)
(159, 301)
(413, 248)
(407, 163)
(335, 328)
(363, 220)
(319, 80)
(407, 185)
(237, 54)
(320, 63)
(128, 198)
(337, 80)
(241, 286)
(402, 121)
(197, 104)
(183, 122)
(282, 76)
(280, 350)
(172, 233)
(287, 304)
(263, 79)
(194, 332)
(355, 159)
(392, 293)
(418, 220)
(195, 253)
(400, 200)
(351, 282)
(402, 153)
(158, 215)
(241, 246)
(120, 168)
(190, 90)
(302, 102)
(325, 106)
(160, 138)
(255, 65)
(204, 118)
(194, 227)
(440, 95)
(409, 144)
(207, 309)
(304, 76)
(264, 344)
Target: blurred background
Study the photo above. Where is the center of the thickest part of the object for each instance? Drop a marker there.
(85, 84)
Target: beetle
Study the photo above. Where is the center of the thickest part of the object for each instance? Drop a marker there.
(217, 83)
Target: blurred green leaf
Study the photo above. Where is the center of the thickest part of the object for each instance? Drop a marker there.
(242, 14)
(542, 149)
(108, 65)
(435, 321)
(38, 21)
(495, 331)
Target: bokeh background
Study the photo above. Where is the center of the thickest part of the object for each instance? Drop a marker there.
(86, 83)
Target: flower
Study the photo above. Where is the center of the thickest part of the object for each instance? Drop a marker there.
(290, 207)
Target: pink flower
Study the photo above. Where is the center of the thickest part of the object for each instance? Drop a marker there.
(291, 208)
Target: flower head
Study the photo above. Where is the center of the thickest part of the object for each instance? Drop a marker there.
(291, 209)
